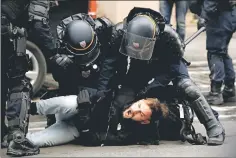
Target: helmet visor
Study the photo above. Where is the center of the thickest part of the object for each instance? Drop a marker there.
(137, 47)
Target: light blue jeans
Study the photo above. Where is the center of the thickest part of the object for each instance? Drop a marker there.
(181, 11)
(63, 131)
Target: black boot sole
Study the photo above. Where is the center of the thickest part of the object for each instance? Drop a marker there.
(216, 143)
(15, 153)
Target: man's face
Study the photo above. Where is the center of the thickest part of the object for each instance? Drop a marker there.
(139, 111)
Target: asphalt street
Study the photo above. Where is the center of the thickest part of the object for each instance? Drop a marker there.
(196, 53)
(165, 149)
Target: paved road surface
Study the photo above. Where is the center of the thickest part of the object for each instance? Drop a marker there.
(165, 149)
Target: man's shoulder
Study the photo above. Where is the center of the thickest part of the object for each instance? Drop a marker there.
(116, 34)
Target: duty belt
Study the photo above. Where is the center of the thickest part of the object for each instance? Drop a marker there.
(35, 17)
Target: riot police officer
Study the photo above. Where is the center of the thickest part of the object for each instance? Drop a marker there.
(16, 85)
(35, 18)
(83, 43)
(220, 20)
(147, 53)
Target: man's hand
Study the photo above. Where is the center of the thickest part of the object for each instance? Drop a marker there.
(201, 23)
(61, 60)
(83, 97)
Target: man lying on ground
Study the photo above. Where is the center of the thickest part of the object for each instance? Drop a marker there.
(135, 117)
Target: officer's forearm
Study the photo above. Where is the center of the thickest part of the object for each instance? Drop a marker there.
(107, 72)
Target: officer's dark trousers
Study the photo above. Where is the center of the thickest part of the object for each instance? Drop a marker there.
(3, 101)
(6, 50)
(219, 34)
(41, 35)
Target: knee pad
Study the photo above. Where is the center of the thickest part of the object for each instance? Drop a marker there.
(18, 105)
(189, 89)
(18, 85)
(18, 65)
(20, 102)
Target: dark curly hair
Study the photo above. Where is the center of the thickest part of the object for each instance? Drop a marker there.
(158, 108)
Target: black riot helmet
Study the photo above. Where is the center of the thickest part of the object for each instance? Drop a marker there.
(81, 42)
(139, 37)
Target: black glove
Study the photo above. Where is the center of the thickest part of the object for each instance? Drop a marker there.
(83, 97)
(84, 110)
(201, 23)
(61, 60)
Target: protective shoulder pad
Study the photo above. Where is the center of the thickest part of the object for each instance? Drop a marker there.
(81, 16)
(103, 22)
(169, 44)
(103, 28)
(117, 33)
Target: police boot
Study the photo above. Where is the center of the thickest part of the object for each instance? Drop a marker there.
(229, 90)
(215, 97)
(19, 145)
(215, 130)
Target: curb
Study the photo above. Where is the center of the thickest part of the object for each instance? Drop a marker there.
(195, 64)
